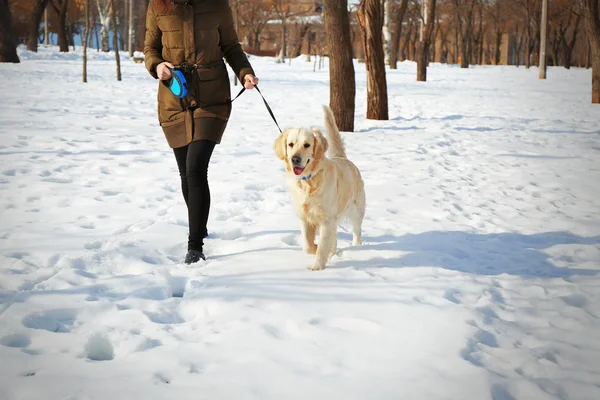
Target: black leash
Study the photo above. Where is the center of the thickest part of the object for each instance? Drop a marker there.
(264, 100)
(189, 68)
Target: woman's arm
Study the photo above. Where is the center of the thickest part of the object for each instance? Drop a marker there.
(230, 46)
(152, 43)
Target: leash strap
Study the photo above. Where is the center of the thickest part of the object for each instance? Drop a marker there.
(264, 100)
(268, 108)
(191, 67)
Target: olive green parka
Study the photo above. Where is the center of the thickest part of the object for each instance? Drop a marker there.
(200, 32)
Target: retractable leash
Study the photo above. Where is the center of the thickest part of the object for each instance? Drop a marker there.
(177, 84)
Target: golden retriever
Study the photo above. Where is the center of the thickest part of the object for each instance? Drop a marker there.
(325, 190)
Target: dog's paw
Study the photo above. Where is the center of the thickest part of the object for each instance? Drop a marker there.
(311, 249)
(316, 267)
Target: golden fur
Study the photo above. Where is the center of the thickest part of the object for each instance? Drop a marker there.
(332, 191)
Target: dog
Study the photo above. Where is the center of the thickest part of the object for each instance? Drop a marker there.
(325, 189)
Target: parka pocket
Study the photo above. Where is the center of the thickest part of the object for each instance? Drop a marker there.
(169, 106)
(213, 90)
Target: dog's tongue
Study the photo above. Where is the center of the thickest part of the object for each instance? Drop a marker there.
(298, 170)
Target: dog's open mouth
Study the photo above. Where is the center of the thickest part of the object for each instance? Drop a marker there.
(298, 170)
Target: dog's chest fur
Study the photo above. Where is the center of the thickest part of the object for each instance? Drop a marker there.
(305, 202)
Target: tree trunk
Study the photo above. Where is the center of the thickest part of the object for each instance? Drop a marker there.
(425, 39)
(283, 52)
(115, 40)
(567, 56)
(592, 24)
(71, 34)
(596, 74)
(387, 29)
(341, 68)
(464, 52)
(86, 11)
(36, 17)
(464, 27)
(304, 29)
(8, 48)
(130, 30)
(432, 47)
(543, 40)
(404, 49)
(141, 6)
(370, 17)
(104, 17)
(588, 58)
(95, 28)
(63, 42)
(397, 34)
(497, 44)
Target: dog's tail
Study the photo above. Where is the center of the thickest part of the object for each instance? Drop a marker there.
(336, 143)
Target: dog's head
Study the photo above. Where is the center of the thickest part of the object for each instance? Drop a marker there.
(301, 149)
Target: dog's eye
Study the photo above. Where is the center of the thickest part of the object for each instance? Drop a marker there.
(306, 145)
(291, 144)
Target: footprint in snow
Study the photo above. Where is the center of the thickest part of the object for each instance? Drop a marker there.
(58, 320)
(17, 340)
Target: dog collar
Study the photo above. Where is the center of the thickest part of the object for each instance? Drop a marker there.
(307, 177)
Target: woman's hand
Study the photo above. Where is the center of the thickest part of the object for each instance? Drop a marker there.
(250, 81)
(163, 70)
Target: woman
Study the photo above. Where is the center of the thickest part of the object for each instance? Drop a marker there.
(194, 35)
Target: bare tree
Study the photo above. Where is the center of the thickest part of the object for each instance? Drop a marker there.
(464, 10)
(86, 9)
(130, 32)
(497, 15)
(8, 49)
(398, 18)
(140, 7)
(387, 28)
(115, 40)
(38, 10)
(405, 48)
(427, 23)
(300, 30)
(370, 19)
(104, 13)
(591, 10)
(61, 12)
(341, 69)
(532, 15)
(284, 10)
(478, 34)
(254, 15)
(569, 21)
(519, 44)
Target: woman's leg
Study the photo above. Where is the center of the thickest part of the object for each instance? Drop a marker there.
(198, 198)
(181, 158)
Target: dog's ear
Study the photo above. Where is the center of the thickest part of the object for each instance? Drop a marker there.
(321, 144)
(280, 147)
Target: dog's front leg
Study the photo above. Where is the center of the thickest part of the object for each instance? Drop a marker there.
(327, 238)
(308, 232)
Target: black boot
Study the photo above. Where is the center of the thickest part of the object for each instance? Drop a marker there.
(193, 256)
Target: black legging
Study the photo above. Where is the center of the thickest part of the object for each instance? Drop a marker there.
(192, 161)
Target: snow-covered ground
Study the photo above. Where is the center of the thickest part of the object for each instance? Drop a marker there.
(478, 278)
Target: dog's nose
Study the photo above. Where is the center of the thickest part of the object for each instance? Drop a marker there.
(296, 159)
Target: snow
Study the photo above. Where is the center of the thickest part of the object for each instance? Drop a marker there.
(478, 277)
